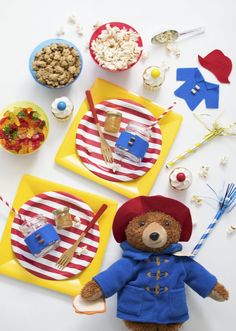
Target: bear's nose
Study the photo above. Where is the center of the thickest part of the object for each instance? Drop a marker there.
(154, 236)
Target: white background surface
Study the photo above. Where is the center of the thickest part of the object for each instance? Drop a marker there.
(25, 23)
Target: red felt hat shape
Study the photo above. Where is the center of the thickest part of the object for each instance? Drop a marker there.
(218, 63)
(143, 204)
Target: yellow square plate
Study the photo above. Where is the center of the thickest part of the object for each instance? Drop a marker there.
(102, 90)
(9, 266)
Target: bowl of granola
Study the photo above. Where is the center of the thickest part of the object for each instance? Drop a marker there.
(116, 46)
(24, 128)
(55, 63)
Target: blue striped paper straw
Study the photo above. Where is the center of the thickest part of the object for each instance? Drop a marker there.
(206, 234)
(227, 203)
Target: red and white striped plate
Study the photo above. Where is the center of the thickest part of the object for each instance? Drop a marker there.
(45, 267)
(88, 141)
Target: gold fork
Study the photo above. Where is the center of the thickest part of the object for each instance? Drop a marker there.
(67, 256)
(105, 148)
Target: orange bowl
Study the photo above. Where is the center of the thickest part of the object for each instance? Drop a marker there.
(120, 26)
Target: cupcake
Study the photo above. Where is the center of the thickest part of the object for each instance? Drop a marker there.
(153, 77)
(62, 108)
(180, 179)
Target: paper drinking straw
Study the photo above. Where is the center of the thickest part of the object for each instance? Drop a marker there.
(191, 150)
(206, 234)
(12, 209)
(226, 203)
(169, 109)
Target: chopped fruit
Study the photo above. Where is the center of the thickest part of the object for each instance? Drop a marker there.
(22, 131)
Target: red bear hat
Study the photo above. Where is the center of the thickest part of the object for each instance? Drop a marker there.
(143, 204)
(218, 63)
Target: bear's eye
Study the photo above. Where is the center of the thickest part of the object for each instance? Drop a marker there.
(167, 222)
(142, 223)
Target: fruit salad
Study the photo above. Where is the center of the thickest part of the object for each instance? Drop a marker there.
(22, 130)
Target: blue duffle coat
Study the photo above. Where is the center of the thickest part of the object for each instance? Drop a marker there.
(151, 287)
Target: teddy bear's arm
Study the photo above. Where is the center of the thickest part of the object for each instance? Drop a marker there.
(202, 281)
(111, 280)
(219, 293)
(91, 291)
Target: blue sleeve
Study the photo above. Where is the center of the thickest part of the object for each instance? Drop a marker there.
(115, 277)
(198, 278)
(212, 98)
(185, 73)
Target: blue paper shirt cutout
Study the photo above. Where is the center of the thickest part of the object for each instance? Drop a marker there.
(208, 91)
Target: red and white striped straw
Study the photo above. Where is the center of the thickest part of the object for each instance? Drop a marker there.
(12, 209)
(169, 109)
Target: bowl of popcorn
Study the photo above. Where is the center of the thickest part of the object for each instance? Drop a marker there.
(55, 63)
(116, 46)
(24, 128)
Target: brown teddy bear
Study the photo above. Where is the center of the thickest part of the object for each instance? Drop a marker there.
(149, 278)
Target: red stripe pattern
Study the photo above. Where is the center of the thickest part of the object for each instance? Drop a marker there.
(88, 141)
(45, 267)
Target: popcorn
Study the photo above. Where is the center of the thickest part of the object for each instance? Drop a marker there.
(231, 229)
(172, 48)
(76, 222)
(97, 25)
(76, 219)
(60, 31)
(224, 161)
(115, 167)
(81, 250)
(88, 148)
(197, 200)
(203, 172)
(115, 48)
(79, 30)
(86, 45)
(72, 19)
(145, 55)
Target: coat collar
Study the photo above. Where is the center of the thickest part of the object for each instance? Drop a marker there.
(199, 78)
(135, 254)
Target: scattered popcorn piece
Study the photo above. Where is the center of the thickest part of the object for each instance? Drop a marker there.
(81, 250)
(224, 160)
(96, 25)
(88, 148)
(115, 167)
(145, 55)
(76, 222)
(86, 45)
(60, 31)
(172, 48)
(79, 30)
(116, 49)
(165, 65)
(231, 229)
(77, 219)
(72, 19)
(197, 200)
(203, 172)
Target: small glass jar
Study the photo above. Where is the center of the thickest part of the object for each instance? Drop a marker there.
(40, 236)
(132, 143)
(63, 218)
(112, 122)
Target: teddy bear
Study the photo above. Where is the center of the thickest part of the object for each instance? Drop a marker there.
(150, 277)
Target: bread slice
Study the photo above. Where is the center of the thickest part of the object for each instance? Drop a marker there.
(83, 306)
